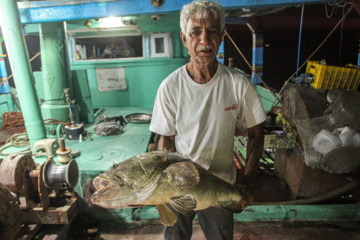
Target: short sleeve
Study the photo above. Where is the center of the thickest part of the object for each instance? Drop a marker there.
(253, 112)
(163, 117)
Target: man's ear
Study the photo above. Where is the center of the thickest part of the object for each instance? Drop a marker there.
(183, 38)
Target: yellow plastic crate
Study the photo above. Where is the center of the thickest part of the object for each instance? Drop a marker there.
(332, 77)
(278, 141)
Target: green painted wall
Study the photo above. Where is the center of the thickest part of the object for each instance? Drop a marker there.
(143, 76)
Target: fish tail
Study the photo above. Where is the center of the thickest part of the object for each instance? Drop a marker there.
(235, 205)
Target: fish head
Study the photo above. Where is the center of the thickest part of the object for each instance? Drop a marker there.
(128, 183)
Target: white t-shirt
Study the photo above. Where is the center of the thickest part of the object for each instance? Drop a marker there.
(203, 116)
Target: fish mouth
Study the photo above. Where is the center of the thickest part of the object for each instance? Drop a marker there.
(102, 181)
(112, 196)
(117, 194)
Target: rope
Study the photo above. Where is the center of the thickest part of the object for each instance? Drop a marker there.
(12, 119)
(35, 56)
(15, 119)
(52, 121)
(16, 141)
(13, 97)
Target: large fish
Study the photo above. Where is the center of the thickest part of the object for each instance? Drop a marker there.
(156, 178)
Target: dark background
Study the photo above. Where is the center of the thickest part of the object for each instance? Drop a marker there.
(281, 36)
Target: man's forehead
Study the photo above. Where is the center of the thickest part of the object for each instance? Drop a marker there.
(198, 22)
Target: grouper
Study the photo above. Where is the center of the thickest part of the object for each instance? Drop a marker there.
(159, 177)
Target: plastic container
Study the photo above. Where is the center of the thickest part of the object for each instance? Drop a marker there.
(279, 140)
(331, 77)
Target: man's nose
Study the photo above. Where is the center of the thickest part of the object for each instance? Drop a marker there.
(205, 38)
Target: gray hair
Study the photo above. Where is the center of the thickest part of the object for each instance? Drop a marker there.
(202, 10)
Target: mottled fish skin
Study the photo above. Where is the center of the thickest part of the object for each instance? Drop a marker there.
(210, 191)
(156, 178)
(129, 182)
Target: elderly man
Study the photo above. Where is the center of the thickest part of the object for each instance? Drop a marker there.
(196, 110)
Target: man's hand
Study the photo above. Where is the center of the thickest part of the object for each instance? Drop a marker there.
(167, 143)
(254, 149)
(247, 198)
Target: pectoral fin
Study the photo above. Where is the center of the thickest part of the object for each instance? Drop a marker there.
(182, 175)
(184, 205)
(167, 217)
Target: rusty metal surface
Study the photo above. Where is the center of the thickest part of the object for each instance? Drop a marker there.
(63, 213)
(10, 215)
(43, 190)
(28, 231)
(12, 171)
(14, 175)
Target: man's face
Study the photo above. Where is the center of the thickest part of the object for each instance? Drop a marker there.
(203, 39)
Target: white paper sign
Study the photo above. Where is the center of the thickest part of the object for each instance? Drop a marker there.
(110, 79)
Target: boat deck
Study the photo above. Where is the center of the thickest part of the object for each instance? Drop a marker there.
(313, 221)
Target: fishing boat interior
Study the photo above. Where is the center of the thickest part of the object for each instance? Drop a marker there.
(71, 109)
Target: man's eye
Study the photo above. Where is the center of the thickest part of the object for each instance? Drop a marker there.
(213, 31)
(196, 32)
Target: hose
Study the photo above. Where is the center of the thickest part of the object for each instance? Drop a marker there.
(318, 198)
(58, 131)
(98, 112)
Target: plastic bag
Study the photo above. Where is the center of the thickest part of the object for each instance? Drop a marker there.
(349, 137)
(346, 136)
(356, 139)
(325, 141)
(108, 129)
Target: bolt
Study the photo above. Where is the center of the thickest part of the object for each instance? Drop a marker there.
(62, 144)
(34, 173)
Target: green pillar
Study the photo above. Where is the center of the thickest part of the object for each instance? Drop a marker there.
(21, 69)
(54, 70)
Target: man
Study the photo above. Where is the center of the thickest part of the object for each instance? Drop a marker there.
(196, 110)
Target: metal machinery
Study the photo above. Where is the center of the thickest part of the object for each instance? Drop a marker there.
(35, 195)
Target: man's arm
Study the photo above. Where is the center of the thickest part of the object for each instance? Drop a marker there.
(254, 150)
(167, 143)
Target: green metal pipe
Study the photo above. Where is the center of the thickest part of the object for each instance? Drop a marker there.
(54, 71)
(21, 69)
(53, 62)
